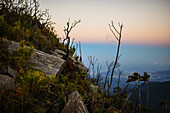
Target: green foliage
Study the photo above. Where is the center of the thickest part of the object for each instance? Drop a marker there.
(3, 26)
(32, 92)
(30, 86)
(19, 32)
(19, 58)
(3, 55)
(17, 23)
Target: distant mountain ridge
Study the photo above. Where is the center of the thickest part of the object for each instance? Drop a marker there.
(158, 92)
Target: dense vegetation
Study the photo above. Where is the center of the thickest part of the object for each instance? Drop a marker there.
(34, 91)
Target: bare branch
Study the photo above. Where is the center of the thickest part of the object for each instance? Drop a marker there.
(113, 32)
(49, 91)
(119, 24)
(74, 24)
(119, 56)
(80, 51)
(92, 61)
(114, 27)
(67, 31)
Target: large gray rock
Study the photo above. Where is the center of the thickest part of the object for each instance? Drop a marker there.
(6, 82)
(75, 104)
(12, 72)
(49, 64)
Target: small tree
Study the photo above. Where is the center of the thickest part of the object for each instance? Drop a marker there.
(145, 78)
(136, 77)
(67, 30)
(118, 38)
(3, 55)
(92, 61)
(118, 35)
(80, 51)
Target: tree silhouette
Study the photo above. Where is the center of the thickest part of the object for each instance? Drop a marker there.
(92, 61)
(145, 78)
(118, 35)
(136, 77)
(67, 30)
(118, 38)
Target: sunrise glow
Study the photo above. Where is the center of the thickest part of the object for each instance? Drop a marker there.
(145, 22)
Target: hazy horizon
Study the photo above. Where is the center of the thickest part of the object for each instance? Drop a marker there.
(150, 59)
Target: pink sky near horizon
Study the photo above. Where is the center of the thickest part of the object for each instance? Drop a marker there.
(145, 21)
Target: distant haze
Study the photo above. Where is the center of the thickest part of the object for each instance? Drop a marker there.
(154, 60)
(145, 21)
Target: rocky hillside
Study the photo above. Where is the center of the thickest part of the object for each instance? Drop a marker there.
(51, 65)
(40, 72)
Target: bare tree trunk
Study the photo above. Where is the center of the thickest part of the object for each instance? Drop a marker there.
(139, 96)
(117, 55)
(116, 60)
(147, 96)
(93, 72)
(92, 62)
(119, 81)
(80, 51)
(68, 50)
(67, 31)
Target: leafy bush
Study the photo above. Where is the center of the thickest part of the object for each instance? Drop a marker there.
(18, 23)
(19, 58)
(3, 55)
(3, 26)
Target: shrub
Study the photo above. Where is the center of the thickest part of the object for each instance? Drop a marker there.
(3, 55)
(19, 58)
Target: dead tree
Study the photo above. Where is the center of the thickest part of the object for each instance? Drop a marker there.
(67, 31)
(92, 61)
(118, 35)
(118, 38)
(145, 78)
(80, 51)
(136, 77)
(98, 77)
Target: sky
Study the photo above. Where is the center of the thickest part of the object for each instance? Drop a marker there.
(146, 22)
(145, 37)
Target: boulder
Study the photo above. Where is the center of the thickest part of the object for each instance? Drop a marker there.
(57, 54)
(76, 64)
(6, 82)
(12, 72)
(75, 104)
(49, 64)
